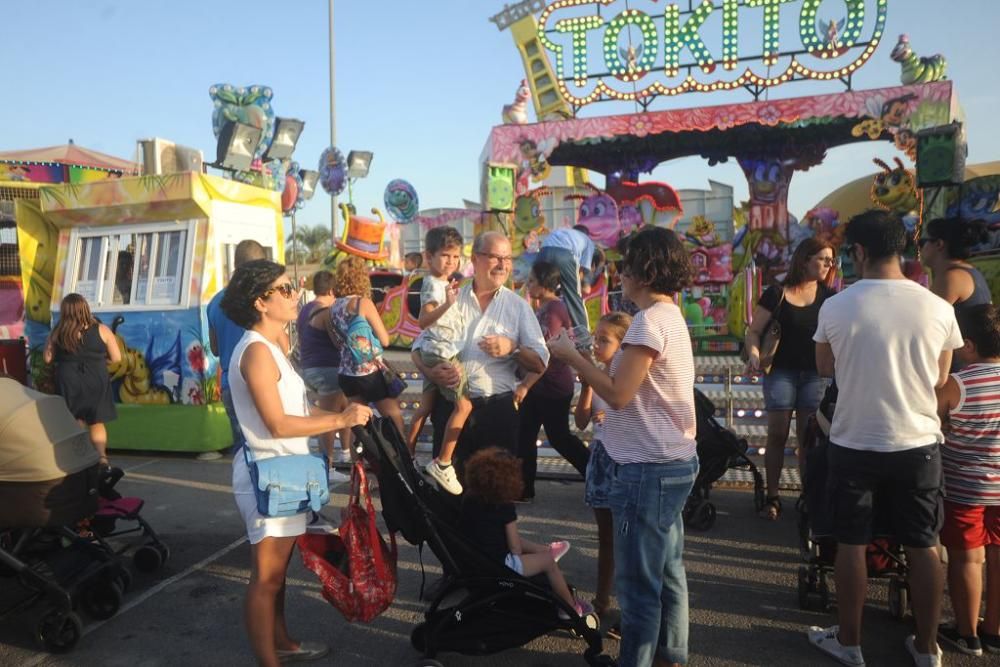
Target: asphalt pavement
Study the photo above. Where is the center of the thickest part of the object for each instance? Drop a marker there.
(742, 576)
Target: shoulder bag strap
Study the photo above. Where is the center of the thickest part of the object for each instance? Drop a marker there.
(334, 332)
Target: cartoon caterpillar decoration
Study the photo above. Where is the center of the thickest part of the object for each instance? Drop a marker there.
(915, 68)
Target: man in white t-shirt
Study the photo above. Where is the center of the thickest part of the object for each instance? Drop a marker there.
(888, 342)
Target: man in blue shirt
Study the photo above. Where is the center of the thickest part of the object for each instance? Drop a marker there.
(224, 334)
(571, 250)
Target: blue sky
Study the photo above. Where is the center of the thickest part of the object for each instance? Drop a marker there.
(418, 83)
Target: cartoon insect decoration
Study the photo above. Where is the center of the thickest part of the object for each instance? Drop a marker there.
(599, 213)
(916, 69)
(517, 112)
(527, 232)
(890, 116)
(895, 189)
(534, 164)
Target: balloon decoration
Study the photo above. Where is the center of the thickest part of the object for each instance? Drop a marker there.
(291, 197)
(250, 106)
(332, 171)
(401, 201)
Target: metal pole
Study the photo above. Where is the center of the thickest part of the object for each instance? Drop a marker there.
(295, 252)
(333, 125)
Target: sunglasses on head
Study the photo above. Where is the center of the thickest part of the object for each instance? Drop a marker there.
(286, 290)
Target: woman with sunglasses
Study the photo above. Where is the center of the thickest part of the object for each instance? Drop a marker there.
(792, 383)
(270, 402)
(945, 251)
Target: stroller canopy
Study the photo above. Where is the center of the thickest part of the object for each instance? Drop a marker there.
(39, 438)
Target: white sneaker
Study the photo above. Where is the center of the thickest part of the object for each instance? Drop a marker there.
(825, 639)
(337, 477)
(445, 477)
(318, 524)
(923, 659)
(341, 455)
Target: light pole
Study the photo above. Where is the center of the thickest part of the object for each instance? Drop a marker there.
(333, 127)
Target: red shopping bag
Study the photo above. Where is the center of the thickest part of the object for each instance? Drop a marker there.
(356, 567)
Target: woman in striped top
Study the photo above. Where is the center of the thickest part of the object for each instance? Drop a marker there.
(649, 434)
(970, 457)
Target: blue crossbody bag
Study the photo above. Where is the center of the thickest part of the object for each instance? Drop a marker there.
(288, 485)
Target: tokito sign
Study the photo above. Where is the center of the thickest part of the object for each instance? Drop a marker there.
(601, 53)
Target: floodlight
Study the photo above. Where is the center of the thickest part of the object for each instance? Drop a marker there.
(309, 180)
(237, 144)
(358, 163)
(286, 134)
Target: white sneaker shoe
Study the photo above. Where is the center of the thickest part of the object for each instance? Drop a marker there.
(337, 477)
(445, 477)
(825, 639)
(318, 524)
(341, 455)
(923, 659)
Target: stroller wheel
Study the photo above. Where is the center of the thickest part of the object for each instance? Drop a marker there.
(124, 579)
(102, 599)
(148, 558)
(164, 551)
(58, 632)
(418, 638)
(899, 598)
(703, 516)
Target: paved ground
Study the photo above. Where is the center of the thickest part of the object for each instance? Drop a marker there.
(742, 578)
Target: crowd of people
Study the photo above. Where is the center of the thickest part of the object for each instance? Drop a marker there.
(499, 366)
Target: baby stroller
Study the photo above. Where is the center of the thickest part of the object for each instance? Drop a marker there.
(885, 557)
(719, 449)
(48, 485)
(483, 607)
(113, 508)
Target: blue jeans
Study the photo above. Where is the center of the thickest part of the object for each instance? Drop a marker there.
(234, 424)
(646, 500)
(569, 279)
(789, 389)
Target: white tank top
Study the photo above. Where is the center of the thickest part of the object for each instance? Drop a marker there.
(292, 391)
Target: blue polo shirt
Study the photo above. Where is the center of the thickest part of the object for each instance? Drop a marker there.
(227, 334)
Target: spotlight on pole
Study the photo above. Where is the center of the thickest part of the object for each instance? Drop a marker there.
(237, 144)
(358, 163)
(310, 179)
(286, 134)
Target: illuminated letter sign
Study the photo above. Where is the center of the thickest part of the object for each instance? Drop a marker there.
(678, 51)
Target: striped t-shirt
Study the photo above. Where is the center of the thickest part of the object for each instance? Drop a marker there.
(970, 455)
(658, 424)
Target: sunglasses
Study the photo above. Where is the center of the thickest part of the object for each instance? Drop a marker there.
(286, 290)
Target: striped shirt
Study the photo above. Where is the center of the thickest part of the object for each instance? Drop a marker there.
(970, 455)
(658, 424)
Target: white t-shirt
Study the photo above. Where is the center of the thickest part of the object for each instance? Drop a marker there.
(444, 337)
(886, 337)
(658, 424)
(597, 404)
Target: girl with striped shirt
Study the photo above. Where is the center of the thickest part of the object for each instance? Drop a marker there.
(970, 457)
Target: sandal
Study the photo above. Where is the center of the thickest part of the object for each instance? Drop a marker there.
(772, 508)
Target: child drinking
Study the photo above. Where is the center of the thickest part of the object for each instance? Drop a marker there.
(590, 409)
(439, 342)
(970, 457)
(488, 518)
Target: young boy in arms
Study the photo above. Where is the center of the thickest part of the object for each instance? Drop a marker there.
(970, 457)
(439, 342)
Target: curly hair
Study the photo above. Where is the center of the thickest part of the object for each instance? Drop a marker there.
(248, 283)
(352, 278)
(494, 476)
(546, 274)
(798, 266)
(656, 258)
(74, 318)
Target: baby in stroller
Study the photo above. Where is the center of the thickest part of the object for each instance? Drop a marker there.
(492, 483)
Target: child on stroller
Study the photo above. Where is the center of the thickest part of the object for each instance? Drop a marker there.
(492, 483)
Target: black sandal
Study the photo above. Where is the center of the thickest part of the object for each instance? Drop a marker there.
(772, 508)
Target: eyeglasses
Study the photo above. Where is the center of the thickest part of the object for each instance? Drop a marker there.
(286, 290)
(829, 261)
(499, 259)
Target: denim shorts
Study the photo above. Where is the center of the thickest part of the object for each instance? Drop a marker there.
(513, 561)
(322, 380)
(598, 477)
(789, 389)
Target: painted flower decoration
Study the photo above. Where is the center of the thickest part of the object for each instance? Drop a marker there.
(196, 358)
(640, 125)
(769, 115)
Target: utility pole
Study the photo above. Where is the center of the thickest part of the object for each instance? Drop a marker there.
(333, 126)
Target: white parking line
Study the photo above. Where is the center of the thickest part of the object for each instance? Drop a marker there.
(145, 595)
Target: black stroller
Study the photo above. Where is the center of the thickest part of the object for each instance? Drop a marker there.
(483, 607)
(885, 558)
(48, 486)
(719, 450)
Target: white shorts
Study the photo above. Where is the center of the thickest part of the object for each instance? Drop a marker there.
(513, 561)
(258, 525)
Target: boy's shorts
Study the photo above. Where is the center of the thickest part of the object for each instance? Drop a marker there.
(513, 561)
(968, 527)
(450, 393)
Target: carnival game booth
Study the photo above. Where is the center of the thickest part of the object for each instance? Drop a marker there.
(149, 253)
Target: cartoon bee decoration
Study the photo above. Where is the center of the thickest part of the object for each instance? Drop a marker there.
(894, 189)
(888, 116)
